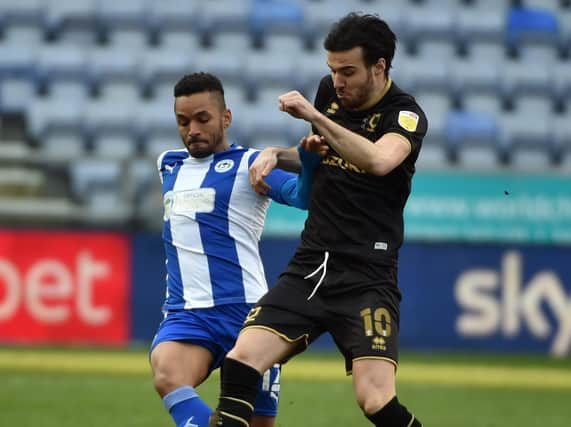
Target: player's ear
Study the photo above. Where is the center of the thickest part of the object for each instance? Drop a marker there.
(380, 66)
(227, 118)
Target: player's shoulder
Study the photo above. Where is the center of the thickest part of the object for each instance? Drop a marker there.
(171, 157)
(400, 100)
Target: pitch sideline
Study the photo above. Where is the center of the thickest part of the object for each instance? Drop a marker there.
(127, 363)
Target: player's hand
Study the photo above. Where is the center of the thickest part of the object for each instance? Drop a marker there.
(297, 106)
(266, 161)
(315, 144)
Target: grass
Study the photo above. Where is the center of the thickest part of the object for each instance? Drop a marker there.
(71, 387)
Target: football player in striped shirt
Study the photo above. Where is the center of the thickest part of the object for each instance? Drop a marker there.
(213, 220)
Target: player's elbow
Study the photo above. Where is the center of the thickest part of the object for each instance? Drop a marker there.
(379, 167)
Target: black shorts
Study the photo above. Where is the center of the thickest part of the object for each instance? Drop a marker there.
(357, 304)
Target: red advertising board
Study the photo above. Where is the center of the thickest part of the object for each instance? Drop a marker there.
(64, 287)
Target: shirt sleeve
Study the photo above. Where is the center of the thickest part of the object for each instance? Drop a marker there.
(293, 189)
(409, 122)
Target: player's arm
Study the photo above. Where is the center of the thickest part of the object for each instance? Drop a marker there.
(379, 158)
(282, 158)
(293, 189)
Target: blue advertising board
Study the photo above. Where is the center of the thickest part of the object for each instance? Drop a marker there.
(455, 296)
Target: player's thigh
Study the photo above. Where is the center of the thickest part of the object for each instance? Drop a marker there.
(180, 363)
(373, 383)
(261, 348)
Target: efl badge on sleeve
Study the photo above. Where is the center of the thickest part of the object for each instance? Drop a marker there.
(408, 120)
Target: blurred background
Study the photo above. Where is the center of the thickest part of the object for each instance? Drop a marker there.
(86, 107)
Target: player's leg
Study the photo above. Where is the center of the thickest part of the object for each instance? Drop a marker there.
(177, 368)
(256, 351)
(282, 324)
(267, 399)
(375, 390)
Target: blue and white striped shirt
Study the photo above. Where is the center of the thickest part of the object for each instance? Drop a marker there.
(213, 221)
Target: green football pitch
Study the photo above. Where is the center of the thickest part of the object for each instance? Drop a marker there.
(79, 387)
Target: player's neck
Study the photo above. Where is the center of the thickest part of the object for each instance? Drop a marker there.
(380, 90)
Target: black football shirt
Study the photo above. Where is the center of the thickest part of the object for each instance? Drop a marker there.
(357, 214)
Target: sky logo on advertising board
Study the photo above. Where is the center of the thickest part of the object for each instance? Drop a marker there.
(498, 301)
(64, 287)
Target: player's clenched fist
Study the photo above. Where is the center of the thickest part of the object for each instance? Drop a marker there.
(295, 104)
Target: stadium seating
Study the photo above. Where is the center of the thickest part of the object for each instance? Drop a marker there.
(94, 78)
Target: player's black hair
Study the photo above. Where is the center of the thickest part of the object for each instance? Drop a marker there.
(367, 31)
(197, 83)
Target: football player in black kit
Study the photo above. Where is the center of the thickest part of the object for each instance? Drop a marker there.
(343, 276)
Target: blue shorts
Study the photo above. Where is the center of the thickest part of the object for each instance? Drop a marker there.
(216, 329)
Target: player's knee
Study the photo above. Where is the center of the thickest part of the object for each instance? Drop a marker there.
(164, 381)
(371, 398)
(241, 354)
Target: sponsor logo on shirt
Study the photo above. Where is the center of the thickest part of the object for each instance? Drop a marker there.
(408, 120)
(340, 163)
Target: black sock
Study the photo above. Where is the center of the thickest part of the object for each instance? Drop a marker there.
(239, 386)
(393, 414)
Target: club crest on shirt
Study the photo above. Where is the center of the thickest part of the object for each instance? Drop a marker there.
(408, 120)
(332, 109)
(224, 165)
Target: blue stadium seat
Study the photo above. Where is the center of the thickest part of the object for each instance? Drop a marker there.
(99, 185)
(427, 22)
(279, 15)
(482, 102)
(17, 93)
(224, 15)
(106, 113)
(436, 50)
(158, 141)
(29, 34)
(415, 76)
(16, 61)
(52, 112)
(470, 75)
(526, 135)
(310, 68)
(473, 138)
(491, 52)
(161, 68)
(174, 38)
(118, 144)
(122, 12)
(62, 69)
(142, 181)
(229, 68)
(562, 80)
(125, 23)
(287, 44)
(531, 25)
(155, 119)
(105, 63)
(436, 107)
(175, 14)
(525, 76)
(23, 11)
(62, 143)
(481, 22)
(561, 125)
(120, 90)
(73, 21)
(267, 68)
(229, 42)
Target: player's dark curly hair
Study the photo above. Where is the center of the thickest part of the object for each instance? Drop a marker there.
(197, 83)
(369, 32)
